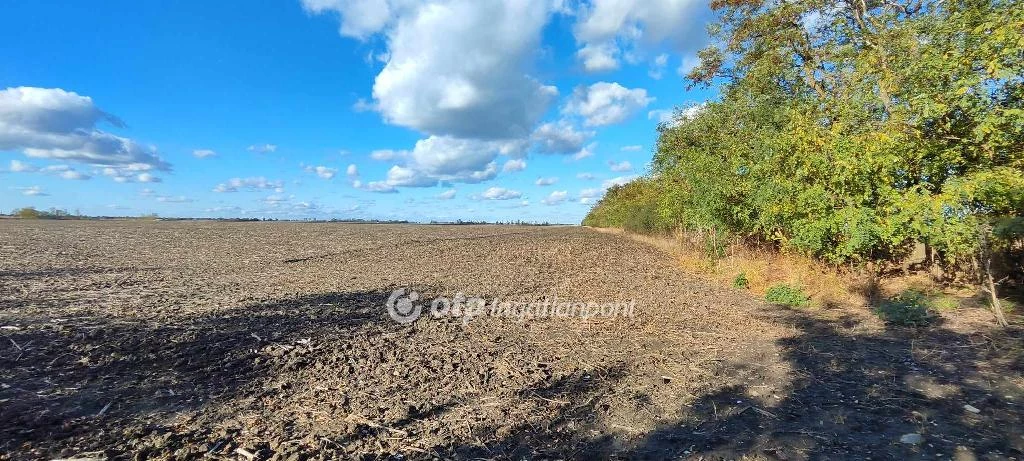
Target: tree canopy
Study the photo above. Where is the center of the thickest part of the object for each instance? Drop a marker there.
(849, 130)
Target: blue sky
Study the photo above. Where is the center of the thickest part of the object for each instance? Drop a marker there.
(397, 109)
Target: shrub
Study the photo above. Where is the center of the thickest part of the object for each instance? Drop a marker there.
(741, 281)
(909, 308)
(787, 296)
(28, 213)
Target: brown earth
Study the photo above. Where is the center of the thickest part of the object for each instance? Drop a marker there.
(178, 340)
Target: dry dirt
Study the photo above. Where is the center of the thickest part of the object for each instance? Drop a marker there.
(184, 340)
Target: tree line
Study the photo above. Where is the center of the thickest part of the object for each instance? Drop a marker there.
(850, 131)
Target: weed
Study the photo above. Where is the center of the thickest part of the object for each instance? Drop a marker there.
(741, 281)
(787, 296)
(909, 308)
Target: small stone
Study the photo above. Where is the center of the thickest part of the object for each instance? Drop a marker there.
(972, 409)
(911, 439)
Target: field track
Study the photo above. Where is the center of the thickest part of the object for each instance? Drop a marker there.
(177, 340)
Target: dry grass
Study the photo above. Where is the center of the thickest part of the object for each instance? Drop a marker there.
(828, 286)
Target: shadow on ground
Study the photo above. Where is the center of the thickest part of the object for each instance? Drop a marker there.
(68, 383)
(852, 395)
(67, 379)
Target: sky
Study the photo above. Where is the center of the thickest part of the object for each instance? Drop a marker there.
(421, 110)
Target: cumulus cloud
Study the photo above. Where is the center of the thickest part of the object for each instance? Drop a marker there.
(52, 123)
(657, 69)
(500, 193)
(590, 193)
(622, 27)
(262, 148)
(386, 155)
(617, 181)
(556, 197)
(513, 165)
(585, 176)
(456, 67)
(605, 103)
(17, 166)
(599, 57)
(546, 181)
(452, 160)
(63, 172)
(672, 117)
(359, 18)
(620, 166)
(633, 148)
(352, 171)
(321, 171)
(559, 138)
(146, 177)
(585, 152)
(447, 195)
(32, 191)
(203, 153)
(377, 186)
(253, 184)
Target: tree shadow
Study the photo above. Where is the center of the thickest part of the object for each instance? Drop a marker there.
(65, 380)
(857, 394)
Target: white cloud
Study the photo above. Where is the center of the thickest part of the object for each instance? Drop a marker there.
(203, 153)
(447, 195)
(56, 124)
(617, 181)
(556, 197)
(560, 138)
(377, 186)
(599, 57)
(359, 18)
(501, 193)
(386, 155)
(661, 115)
(585, 176)
(173, 199)
(688, 64)
(254, 183)
(629, 25)
(620, 166)
(64, 172)
(590, 193)
(17, 166)
(32, 191)
(605, 103)
(322, 172)
(262, 148)
(657, 68)
(448, 159)
(352, 171)
(672, 117)
(633, 148)
(455, 67)
(546, 181)
(513, 165)
(274, 200)
(585, 152)
(146, 177)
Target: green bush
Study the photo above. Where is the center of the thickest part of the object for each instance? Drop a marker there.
(813, 146)
(910, 308)
(786, 295)
(741, 281)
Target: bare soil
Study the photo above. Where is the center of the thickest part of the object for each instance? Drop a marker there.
(184, 340)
